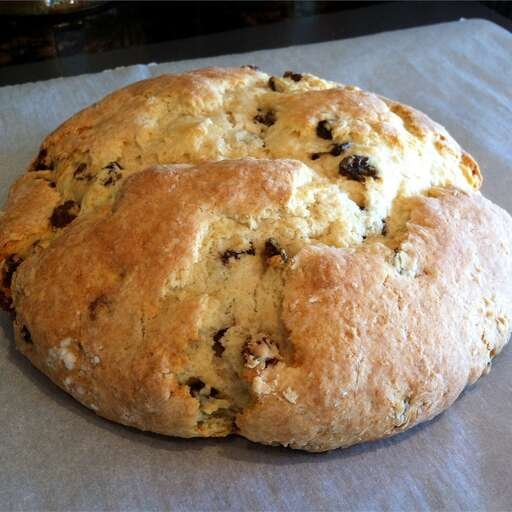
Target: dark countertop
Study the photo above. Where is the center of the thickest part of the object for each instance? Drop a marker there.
(304, 25)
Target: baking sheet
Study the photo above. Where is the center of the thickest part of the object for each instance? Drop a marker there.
(55, 454)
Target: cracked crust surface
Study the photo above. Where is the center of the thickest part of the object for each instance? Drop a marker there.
(215, 114)
(338, 297)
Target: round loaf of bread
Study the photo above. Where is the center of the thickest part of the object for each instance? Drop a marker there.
(288, 259)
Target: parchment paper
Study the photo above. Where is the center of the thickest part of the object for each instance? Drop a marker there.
(55, 454)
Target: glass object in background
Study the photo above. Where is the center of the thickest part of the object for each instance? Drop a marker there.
(31, 7)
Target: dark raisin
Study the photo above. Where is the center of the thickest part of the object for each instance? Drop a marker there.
(43, 153)
(338, 149)
(227, 255)
(214, 393)
(80, 169)
(52, 184)
(272, 248)
(64, 214)
(113, 166)
(80, 173)
(112, 179)
(41, 163)
(262, 352)
(272, 83)
(10, 264)
(220, 334)
(218, 347)
(5, 302)
(195, 385)
(246, 352)
(250, 66)
(323, 130)
(99, 303)
(296, 77)
(26, 336)
(268, 119)
(114, 174)
(358, 168)
(384, 231)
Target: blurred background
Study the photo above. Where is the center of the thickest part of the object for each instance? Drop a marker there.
(55, 31)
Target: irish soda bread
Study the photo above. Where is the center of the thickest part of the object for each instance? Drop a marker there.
(285, 258)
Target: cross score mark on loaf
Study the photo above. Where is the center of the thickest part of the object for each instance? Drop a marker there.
(257, 307)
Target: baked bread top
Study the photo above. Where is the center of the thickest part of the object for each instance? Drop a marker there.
(344, 285)
(372, 148)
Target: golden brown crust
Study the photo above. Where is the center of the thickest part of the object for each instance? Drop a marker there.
(374, 343)
(377, 351)
(315, 304)
(213, 114)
